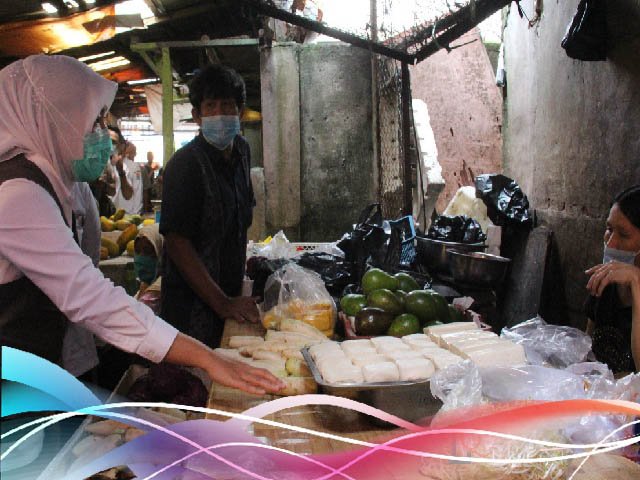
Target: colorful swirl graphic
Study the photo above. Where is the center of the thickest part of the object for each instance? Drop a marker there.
(519, 439)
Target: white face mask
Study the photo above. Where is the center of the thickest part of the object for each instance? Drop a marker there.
(615, 255)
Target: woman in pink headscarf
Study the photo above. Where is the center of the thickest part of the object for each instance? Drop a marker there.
(52, 134)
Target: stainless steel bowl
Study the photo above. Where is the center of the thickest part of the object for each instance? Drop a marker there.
(478, 268)
(433, 253)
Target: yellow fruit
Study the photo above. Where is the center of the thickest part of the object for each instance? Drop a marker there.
(107, 225)
(135, 219)
(130, 249)
(270, 320)
(104, 253)
(118, 215)
(122, 225)
(111, 247)
(148, 221)
(126, 236)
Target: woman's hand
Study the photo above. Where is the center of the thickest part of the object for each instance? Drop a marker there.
(233, 373)
(613, 272)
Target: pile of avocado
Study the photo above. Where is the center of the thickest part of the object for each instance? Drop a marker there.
(396, 305)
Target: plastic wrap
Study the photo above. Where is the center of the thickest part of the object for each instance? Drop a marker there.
(295, 292)
(553, 345)
(278, 247)
(458, 385)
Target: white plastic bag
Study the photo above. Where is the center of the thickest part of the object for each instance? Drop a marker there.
(553, 345)
(278, 247)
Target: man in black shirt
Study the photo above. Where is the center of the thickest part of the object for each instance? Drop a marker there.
(207, 207)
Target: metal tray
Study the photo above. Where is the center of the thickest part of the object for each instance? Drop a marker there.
(411, 401)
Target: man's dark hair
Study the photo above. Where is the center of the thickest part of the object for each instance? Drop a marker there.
(216, 82)
(629, 203)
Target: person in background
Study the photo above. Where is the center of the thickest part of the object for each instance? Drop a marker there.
(53, 134)
(104, 188)
(613, 310)
(148, 247)
(207, 207)
(147, 182)
(128, 195)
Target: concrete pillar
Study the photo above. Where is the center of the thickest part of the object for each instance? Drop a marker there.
(280, 91)
(258, 229)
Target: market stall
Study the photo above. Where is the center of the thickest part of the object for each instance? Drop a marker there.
(322, 419)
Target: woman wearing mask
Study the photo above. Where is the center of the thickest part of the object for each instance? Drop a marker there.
(52, 134)
(613, 311)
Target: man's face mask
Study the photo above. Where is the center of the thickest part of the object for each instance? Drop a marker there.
(615, 255)
(97, 150)
(220, 130)
(145, 267)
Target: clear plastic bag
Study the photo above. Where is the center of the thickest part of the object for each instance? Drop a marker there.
(298, 293)
(278, 247)
(530, 382)
(458, 385)
(553, 345)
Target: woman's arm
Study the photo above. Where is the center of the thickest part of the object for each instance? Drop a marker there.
(627, 276)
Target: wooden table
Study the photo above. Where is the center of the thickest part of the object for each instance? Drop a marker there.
(353, 425)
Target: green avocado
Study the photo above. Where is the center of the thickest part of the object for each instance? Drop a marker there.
(372, 321)
(405, 324)
(385, 300)
(401, 294)
(353, 303)
(376, 279)
(406, 282)
(422, 304)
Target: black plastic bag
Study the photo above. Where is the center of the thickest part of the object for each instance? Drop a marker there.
(460, 228)
(586, 36)
(367, 242)
(259, 269)
(334, 271)
(506, 204)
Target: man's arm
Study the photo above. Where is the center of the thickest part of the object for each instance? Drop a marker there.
(125, 185)
(184, 256)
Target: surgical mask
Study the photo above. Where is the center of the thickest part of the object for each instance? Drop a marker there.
(97, 150)
(615, 255)
(220, 130)
(145, 268)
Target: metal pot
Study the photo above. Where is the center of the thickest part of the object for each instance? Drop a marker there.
(478, 268)
(433, 253)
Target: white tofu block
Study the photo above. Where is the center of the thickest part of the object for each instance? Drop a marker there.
(377, 341)
(342, 374)
(325, 347)
(381, 372)
(384, 349)
(443, 361)
(354, 349)
(368, 359)
(403, 354)
(361, 342)
(478, 345)
(450, 327)
(493, 356)
(238, 341)
(465, 335)
(360, 353)
(419, 345)
(415, 369)
(414, 336)
(431, 351)
(328, 360)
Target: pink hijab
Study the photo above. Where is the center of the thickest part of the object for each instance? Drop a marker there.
(47, 105)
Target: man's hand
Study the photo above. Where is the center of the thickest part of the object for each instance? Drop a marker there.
(613, 272)
(241, 309)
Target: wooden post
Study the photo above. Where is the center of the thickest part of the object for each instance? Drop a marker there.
(167, 104)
